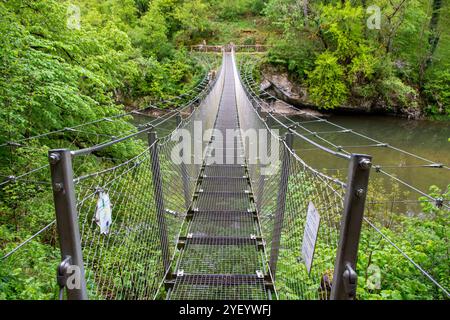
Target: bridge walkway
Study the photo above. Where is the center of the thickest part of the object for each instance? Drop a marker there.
(222, 250)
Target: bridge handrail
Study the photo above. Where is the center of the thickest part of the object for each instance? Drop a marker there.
(371, 224)
(237, 47)
(378, 168)
(148, 128)
(253, 96)
(349, 213)
(73, 206)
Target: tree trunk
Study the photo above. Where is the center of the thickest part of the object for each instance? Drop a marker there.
(305, 10)
(433, 39)
(434, 35)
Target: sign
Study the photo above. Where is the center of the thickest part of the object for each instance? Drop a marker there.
(103, 212)
(310, 235)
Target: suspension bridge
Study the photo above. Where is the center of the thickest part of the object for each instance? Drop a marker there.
(224, 223)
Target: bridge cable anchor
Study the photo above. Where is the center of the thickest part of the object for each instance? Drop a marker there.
(439, 202)
(350, 281)
(180, 273)
(62, 274)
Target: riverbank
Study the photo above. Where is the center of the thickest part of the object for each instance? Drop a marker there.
(279, 84)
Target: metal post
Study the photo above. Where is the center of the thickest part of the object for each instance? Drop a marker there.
(281, 204)
(345, 277)
(159, 197)
(184, 173)
(67, 225)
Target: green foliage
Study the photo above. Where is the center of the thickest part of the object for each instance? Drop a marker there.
(234, 9)
(396, 92)
(327, 83)
(383, 271)
(298, 60)
(26, 276)
(193, 21)
(285, 16)
(395, 68)
(437, 89)
(236, 21)
(423, 238)
(55, 75)
(150, 34)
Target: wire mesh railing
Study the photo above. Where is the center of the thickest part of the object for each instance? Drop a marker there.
(249, 48)
(304, 213)
(118, 263)
(220, 250)
(393, 262)
(119, 226)
(29, 247)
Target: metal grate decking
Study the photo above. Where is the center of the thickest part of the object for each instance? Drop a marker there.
(224, 170)
(222, 223)
(219, 287)
(225, 184)
(221, 255)
(224, 201)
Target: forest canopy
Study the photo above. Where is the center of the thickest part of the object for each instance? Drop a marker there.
(62, 64)
(122, 53)
(347, 55)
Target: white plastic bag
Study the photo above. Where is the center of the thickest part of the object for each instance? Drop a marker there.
(103, 212)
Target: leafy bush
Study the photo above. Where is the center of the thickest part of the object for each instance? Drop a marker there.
(326, 82)
(437, 90)
(397, 93)
(388, 67)
(54, 77)
(424, 238)
(298, 60)
(231, 10)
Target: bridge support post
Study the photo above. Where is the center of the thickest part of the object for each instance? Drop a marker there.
(71, 269)
(184, 174)
(345, 278)
(159, 197)
(281, 204)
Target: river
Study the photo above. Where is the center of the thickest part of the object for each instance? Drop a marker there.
(425, 138)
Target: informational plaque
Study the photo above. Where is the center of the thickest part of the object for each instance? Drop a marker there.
(310, 235)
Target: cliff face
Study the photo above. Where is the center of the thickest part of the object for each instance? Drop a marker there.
(280, 84)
